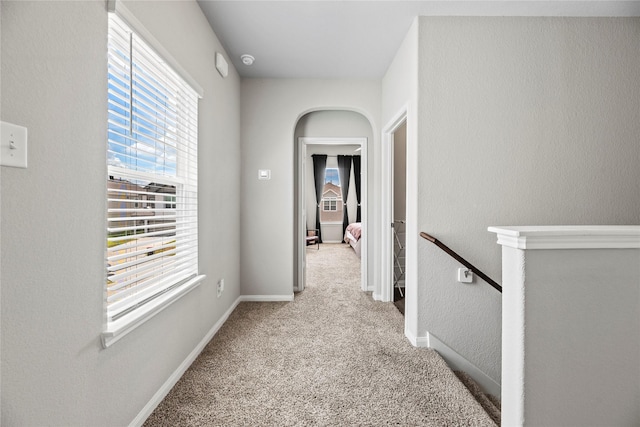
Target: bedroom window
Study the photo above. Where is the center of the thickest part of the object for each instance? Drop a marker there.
(151, 246)
(331, 197)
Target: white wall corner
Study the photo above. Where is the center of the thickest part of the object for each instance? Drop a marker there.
(182, 368)
(416, 341)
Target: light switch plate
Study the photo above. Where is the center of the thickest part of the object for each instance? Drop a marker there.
(13, 145)
(264, 174)
(465, 275)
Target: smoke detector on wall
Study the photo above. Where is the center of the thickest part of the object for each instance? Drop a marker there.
(247, 59)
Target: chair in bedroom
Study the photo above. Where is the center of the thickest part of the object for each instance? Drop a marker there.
(313, 237)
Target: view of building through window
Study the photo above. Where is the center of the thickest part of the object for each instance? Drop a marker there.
(331, 197)
(152, 244)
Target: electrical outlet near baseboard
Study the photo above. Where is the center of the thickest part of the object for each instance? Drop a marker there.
(220, 287)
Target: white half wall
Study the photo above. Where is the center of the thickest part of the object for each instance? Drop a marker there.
(271, 109)
(571, 338)
(53, 226)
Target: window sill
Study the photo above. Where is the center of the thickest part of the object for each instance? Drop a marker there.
(121, 327)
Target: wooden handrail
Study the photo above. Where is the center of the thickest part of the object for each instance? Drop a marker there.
(461, 260)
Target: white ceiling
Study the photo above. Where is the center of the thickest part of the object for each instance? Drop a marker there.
(356, 38)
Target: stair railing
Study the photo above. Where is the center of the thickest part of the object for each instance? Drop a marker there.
(461, 260)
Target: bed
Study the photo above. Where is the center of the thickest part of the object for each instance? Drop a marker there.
(352, 236)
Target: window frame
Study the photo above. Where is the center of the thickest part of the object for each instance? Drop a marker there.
(333, 202)
(114, 330)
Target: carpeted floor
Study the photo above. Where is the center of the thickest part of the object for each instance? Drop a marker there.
(333, 357)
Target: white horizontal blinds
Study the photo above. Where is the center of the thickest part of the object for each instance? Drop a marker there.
(152, 167)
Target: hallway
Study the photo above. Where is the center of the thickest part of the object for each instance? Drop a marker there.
(331, 357)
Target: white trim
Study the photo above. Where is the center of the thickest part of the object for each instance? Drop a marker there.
(457, 362)
(386, 245)
(177, 374)
(116, 6)
(569, 237)
(117, 329)
(266, 298)
(415, 340)
(301, 208)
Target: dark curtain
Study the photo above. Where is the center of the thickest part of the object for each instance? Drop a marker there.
(344, 169)
(356, 176)
(319, 166)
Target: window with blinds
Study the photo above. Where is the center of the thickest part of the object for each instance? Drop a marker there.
(152, 240)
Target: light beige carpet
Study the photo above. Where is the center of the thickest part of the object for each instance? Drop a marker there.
(333, 357)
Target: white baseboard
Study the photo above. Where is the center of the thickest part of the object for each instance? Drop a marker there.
(456, 361)
(266, 298)
(177, 374)
(417, 341)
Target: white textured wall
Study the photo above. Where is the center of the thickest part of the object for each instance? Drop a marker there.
(523, 121)
(54, 71)
(582, 337)
(270, 110)
(400, 94)
(334, 124)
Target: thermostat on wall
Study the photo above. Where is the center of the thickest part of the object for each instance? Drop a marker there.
(264, 174)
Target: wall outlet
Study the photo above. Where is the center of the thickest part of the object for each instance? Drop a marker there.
(220, 287)
(465, 275)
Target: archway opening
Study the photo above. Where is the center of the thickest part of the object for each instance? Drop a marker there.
(322, 196)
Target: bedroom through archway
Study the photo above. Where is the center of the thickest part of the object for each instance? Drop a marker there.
(331, 192)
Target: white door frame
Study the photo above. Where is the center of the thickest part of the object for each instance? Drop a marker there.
(386, 235)
(301, 208)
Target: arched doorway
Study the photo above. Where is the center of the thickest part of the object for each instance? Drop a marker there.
(330, 131)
